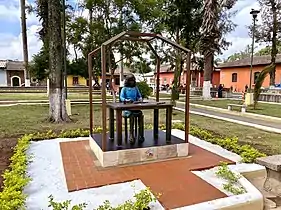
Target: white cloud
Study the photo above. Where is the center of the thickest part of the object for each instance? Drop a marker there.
(240, 37)
(11, 45)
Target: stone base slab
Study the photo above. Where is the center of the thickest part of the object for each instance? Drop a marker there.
(138, 155)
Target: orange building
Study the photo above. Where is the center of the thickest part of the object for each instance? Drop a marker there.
(236, 74)
(197, 77)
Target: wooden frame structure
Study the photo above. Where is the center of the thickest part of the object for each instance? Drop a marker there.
(141, 37)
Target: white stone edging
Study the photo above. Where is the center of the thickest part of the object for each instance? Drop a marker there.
(255, 116)
(252, 199)
(261, 127)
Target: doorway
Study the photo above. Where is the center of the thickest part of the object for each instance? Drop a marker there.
(15, 81)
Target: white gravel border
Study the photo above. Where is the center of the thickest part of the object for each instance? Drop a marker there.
(48, 178)
(46, 171)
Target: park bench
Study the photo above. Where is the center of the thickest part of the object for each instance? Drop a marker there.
(273, 168)
(243, 107)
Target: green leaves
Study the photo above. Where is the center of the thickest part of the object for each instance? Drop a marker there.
(232, 179)
(15, 178)
(259, 81)
(141, 202)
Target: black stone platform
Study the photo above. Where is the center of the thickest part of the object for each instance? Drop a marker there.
(149, 141)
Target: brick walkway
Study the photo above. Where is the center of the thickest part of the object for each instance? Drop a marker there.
(173, 179)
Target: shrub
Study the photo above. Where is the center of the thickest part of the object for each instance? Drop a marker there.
(144, 89)
(142, 201)
(15, 178)
(233, 185)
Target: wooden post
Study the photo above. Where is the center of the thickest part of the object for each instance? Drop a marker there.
(187, 95)
(90, 71)
(103, 93)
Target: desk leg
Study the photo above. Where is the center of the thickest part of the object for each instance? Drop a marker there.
(156, 124)
(111, 124)
(119, 127)
(168, 124)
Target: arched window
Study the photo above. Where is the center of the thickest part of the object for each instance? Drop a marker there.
(234, 77)
(256, 75)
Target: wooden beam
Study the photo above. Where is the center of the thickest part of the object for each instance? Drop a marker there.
(115, 38)
(174, 44)
(153, 50)
(94, 52)
(139, 34)
(128, 38)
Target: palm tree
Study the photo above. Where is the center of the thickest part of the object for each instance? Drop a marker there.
(215, 23)
(24, 42)
(209, 41)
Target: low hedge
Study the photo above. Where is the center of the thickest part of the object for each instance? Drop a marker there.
(15, 177)
(248, 153)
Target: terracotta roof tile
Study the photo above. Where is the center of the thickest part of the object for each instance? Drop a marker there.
(15, 65)
(257, 60)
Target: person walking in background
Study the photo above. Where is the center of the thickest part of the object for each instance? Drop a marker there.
(220, 91)
(246, 88)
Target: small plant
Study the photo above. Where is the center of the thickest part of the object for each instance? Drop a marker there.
(232, 179)
(65, 205)
(141, 202)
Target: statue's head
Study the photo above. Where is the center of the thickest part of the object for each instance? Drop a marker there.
(130, 81)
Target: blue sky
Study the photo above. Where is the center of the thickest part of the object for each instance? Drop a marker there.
(10, 36)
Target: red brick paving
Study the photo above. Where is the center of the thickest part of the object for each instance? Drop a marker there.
(173, 179)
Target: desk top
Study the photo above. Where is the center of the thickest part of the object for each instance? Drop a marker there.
(137, 106)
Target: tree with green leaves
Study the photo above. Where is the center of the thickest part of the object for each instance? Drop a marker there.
(216, 23)
(269, 30)
(181, 21)
(267, 50)
(246, 53)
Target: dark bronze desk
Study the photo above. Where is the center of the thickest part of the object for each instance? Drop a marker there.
(119, 107)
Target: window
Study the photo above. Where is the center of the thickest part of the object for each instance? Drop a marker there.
(165, 80)
(151, 80)
(234, 77)
(75, 81)
(256, 75)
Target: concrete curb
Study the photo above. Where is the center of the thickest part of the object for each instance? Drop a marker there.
(261, 127)
(246, 114)
(250, 200)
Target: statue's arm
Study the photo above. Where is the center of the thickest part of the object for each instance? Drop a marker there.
(122, 94)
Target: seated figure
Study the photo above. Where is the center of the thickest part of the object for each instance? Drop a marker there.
(130, 94)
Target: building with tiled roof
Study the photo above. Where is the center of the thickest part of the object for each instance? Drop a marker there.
(236, 74)
(11, 73)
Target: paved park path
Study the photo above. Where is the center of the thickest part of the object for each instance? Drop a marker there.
(249, 121)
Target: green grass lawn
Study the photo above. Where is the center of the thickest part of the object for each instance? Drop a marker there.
(262, 108)
(23, 119)
(42, 96)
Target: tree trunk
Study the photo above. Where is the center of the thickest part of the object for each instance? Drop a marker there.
(24, 43)
(274, 43)
(175, 87)
(208, 68)
(57, 109)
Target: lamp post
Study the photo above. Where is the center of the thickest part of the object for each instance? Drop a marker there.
(254, 13)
